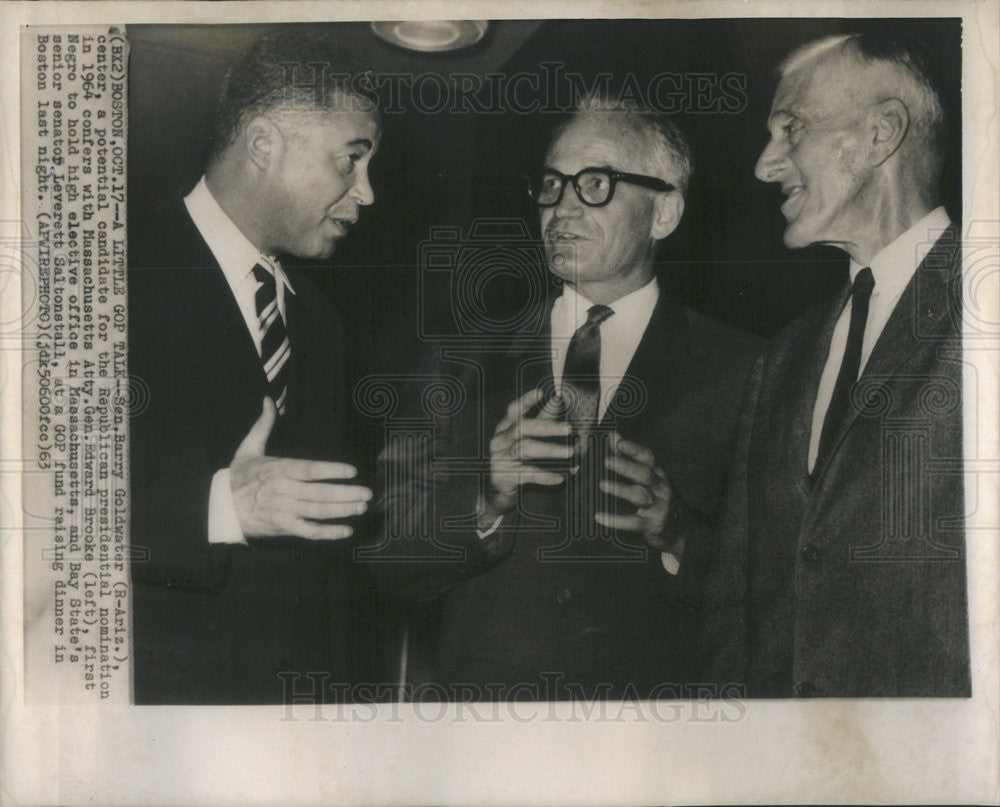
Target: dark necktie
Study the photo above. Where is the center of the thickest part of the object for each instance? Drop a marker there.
(840, 403)
(275, 350)
(581, 383)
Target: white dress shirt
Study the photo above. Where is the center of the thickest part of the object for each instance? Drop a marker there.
(620, 334)
(892, 269)
(236, 257)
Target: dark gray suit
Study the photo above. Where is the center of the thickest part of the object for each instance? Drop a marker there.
(551, 606)
(853, 584)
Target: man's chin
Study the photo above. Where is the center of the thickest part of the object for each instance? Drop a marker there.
(562, 263)
(794, 239)
(323, 251)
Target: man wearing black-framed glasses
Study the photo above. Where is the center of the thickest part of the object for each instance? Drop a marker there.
(594, 186)
(608, 432)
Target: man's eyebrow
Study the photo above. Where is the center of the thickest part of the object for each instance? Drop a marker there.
(780, 117)
(361, 141)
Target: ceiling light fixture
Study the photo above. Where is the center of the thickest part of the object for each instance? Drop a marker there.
(431, 36)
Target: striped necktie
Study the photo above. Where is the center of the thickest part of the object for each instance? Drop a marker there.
(275, 350)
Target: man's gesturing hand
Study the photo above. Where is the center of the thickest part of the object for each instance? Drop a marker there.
(275, 496)
(518, 443)
(647, 488)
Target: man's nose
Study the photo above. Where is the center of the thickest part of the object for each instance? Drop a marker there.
(362, 192)
(770, 161)
(569, 205)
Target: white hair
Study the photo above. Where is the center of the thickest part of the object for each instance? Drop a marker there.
(912, 80)
(670, 152)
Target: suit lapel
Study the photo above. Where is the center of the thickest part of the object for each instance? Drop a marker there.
(798, 401)
(529, 357)
(220, 313)
(236, 337)
(922, 312)
(645, 387)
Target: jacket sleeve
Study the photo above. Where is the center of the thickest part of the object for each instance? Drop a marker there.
(430, 476)
(170, 468)
(171, 477)
(723, 638)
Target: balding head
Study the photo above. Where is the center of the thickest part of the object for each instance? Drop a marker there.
(856, 143)
(879, 68)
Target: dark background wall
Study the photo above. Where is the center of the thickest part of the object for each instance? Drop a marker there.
(448, 164)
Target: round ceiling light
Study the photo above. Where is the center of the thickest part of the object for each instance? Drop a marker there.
(431, 36)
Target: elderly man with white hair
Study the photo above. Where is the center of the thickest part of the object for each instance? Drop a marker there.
(841, 567)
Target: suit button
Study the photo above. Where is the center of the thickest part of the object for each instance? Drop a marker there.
(810, 553)
(563, 595)
(805, 689)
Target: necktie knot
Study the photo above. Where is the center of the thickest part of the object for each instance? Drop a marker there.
(596, 314)
(863, 284)
(261, 275)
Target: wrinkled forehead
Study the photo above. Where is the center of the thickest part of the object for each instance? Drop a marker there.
(596, 139)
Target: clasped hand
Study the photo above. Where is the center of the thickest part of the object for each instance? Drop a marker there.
(276, 496)
(521, 452)
(518, 444)
(647, 487)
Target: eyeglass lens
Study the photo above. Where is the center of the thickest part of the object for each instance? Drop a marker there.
(593, 187)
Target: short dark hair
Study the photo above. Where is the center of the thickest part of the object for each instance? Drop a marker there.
(289, 70)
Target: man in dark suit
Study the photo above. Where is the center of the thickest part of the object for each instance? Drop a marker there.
(842, 571)
(538, 504)
(241, 482)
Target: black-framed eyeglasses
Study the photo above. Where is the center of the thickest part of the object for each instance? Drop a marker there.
(594, 186)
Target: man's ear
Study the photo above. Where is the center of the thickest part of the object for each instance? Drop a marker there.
(262, 142)
(889, 126)
(667, 211)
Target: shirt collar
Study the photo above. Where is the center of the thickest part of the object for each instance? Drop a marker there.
(636, 306)
(896, 263)
(235, 254)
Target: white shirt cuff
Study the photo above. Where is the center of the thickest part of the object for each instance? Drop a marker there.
(223, 523)
(670, 562)
(484, 534)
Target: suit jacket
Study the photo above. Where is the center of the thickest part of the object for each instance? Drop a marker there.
(218, 623)
(552, 606)
(853, 584)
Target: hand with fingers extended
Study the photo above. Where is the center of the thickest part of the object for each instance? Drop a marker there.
(275, 496)
(642, 483)
(520, 449)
